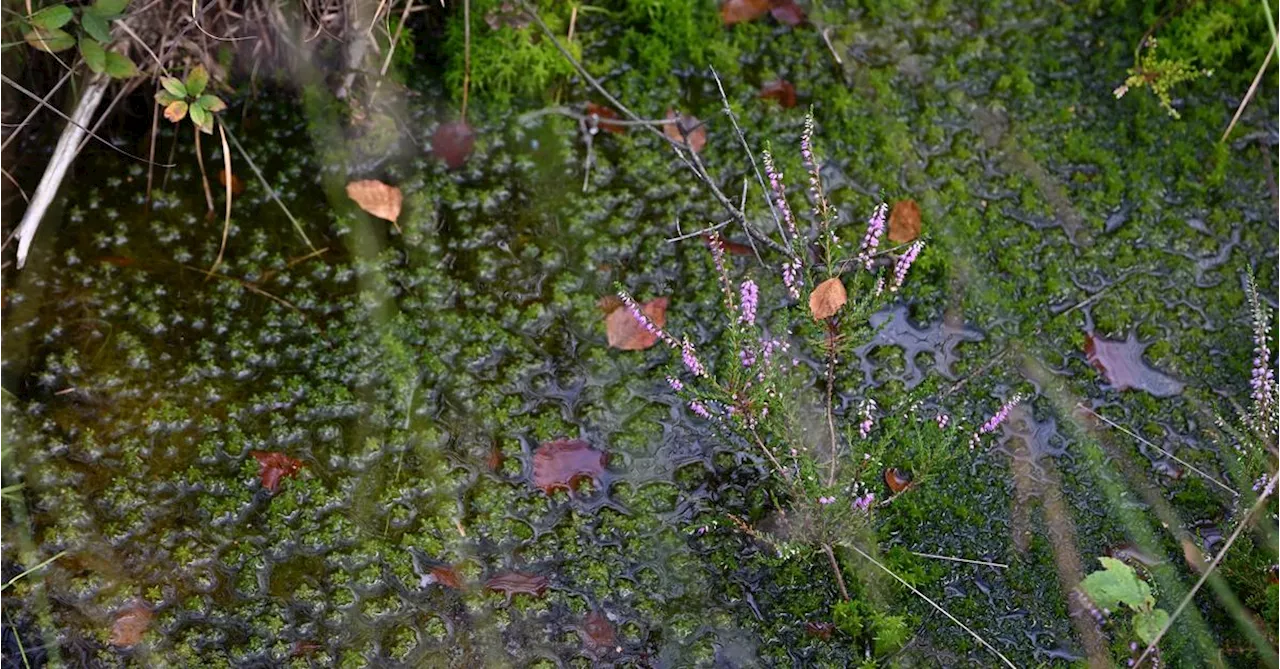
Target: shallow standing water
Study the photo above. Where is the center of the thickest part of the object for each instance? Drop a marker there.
(412, 373)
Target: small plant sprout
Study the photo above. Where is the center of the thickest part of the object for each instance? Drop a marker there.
(46, 30)
(188, 99)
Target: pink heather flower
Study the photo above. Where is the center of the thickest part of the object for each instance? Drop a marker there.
(826, 500)
(943, 421)
(717, 255)
(691, 359)
(750, 299)
(904, 263)
(875, 231)
(868, 418)
(995, 420)
(644, 321)
(1262, 379)
(780, 195)
(747, 356)
(864, 502)
(700, 409)
(675, 383)
(792, 278)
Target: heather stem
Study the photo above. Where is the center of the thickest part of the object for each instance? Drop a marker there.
(835, 569)
(831, 422)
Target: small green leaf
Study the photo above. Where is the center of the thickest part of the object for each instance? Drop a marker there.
(109, 8)
(1117, 583)
(165, 98)
(1147, 625)
(119, 66)
(49, 41)
(94, 56)
(51, 18)
(212, 103)
(174, 86)
(175, 111)
(96, 26)
(198, 114)
(197, 79)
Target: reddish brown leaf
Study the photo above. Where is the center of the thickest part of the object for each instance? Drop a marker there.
(598, 634)
(561, 463)
(131, 623)
(1122, 365)
(904, 221)
(896, 479)
(453, 143)
(376, 198)
(301, 648)
(827, 298)
(447, 576)
(780, 90)
(274, 466)
(627, 333)
(118, 261)
(237, 186)
(603, 115)
(821, 630)
(516, 582)
(609, 303)
(788, 12)
(687, 130)
(494, 461)
(740, 11)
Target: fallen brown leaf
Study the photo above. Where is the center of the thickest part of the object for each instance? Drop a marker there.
(376, 198)
(453, 143)
(827, 298)
(741, 11)
(788, 12)
(687, 130)
(782, 91)
(626, 333)
(603, 115)
(904, 221)
(131, 623)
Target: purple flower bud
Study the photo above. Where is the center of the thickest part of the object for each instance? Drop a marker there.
(750, 299)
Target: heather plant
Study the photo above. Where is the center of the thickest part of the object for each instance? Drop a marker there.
(828, 471)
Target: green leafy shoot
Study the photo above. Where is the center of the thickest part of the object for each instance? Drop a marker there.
(187, 98)
(1117, 583)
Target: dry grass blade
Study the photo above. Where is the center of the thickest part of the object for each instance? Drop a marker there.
(204, 177)
(196, 20)
(1253, 88)
(226, 224)
(14, 135)
(13, 181)
(267, 185)
(932, 603)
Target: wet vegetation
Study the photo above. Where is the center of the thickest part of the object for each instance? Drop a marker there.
(382, 403)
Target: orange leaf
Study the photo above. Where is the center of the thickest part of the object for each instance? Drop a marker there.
(827, 298)
(904, 221)
(175, 111)
(237, 186)
(603, 115)
(896, 479)
(376, 198)
(131, 623)
(274, 466)
(687, 130)
(740, 11)
(627, 333)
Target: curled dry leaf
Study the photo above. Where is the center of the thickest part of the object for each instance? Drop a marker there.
(517, 582)
(627, 333)
(741, 11)
(376, 198)
(453, 143)
(827, 298)
(609, 303)
(896, 479)
(780, 90)
(904, 222)
(561, 463)
(602, 116)
(788, 12)
(820, 629)
(274, 466)
(131, 623)
(687, 130)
